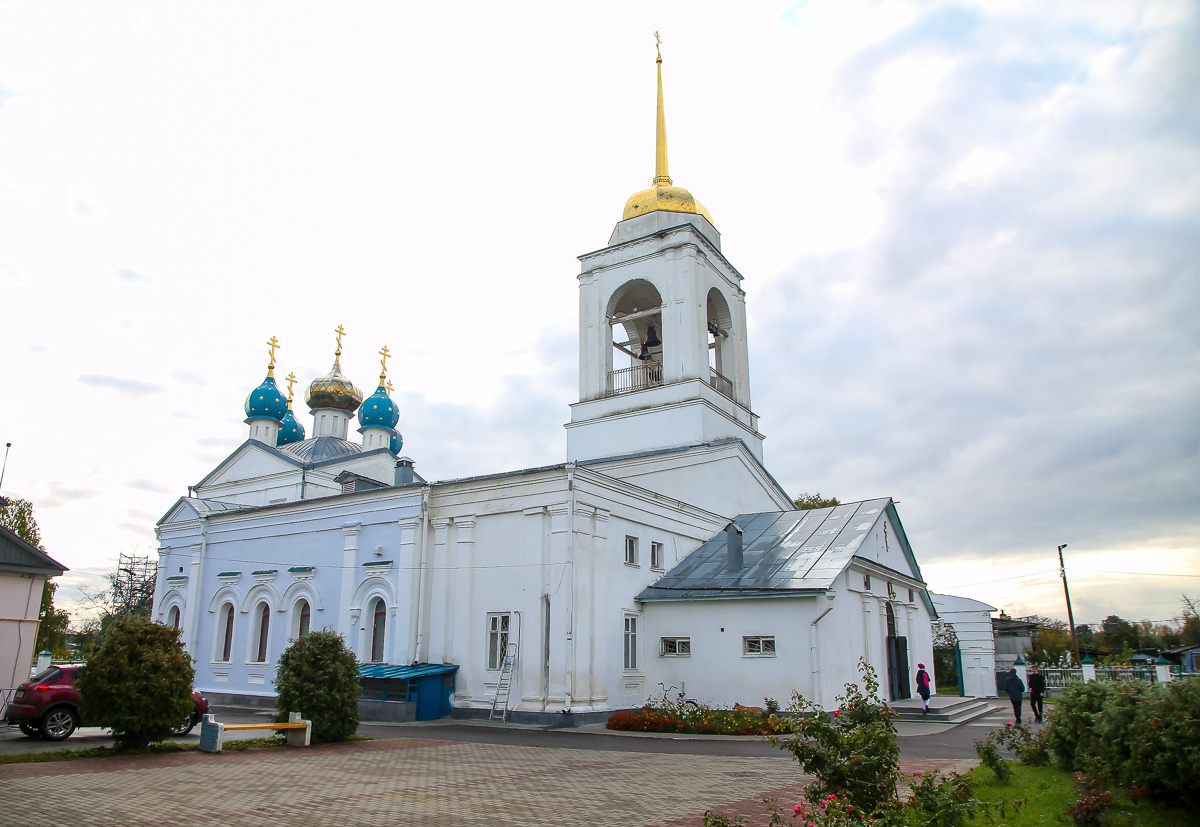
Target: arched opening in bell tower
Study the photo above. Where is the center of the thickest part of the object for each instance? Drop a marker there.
(635, 333)
(721, 362)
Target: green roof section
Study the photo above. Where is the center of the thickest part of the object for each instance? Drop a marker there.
(377, 563)
(229, 574)
(300, 568)
(265, 571)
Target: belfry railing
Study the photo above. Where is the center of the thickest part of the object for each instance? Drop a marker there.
(636, 378)
(720, 384)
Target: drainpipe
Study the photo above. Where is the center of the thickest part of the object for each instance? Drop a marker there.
(815, 651)
(418, 634)
(570, 596)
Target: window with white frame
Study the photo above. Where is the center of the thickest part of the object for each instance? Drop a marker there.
(378, 615)
(675, 647)
(656, 555)
(910, 595)
(630, 641)
(759, 647)
(867, 582)
(631, 551)
(225, 631)
(498, 624)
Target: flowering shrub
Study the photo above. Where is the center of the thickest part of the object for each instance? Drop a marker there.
(1030, 746)
(944, 801)
(829, 811)
(677, 716)
(990, 757)
(853, 752)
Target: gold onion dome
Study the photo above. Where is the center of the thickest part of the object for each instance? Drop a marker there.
(662, 195)
(333, 390)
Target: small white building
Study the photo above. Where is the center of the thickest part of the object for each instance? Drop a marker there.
(582, 572)
(24, 569)
(976, 648)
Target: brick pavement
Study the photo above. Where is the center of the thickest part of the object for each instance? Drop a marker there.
(400, 782)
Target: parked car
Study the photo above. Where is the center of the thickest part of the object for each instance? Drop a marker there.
(47, 706)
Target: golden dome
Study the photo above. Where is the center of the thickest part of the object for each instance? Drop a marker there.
(333, 390)
(662, 195)
(669, 199)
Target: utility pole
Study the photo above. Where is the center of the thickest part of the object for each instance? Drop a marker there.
(1062, 570)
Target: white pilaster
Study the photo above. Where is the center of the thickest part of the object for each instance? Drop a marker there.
(346, 627)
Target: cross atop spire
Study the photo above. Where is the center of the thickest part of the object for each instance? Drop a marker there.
(383, 362)
(272, 343)
(340, 333)
(291, 380)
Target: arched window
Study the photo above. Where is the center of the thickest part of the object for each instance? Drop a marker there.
(378, 629)
(226, 628)
(173, 617)
(305, 613)
(264, 627)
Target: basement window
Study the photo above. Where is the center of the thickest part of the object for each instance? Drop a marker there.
(675, 647)
(758, 647)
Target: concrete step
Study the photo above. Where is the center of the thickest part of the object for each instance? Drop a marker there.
(943, 711)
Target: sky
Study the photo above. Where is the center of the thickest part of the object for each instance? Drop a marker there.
(970, 237)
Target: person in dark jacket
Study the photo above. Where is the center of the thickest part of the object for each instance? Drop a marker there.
(923, 687)
(1037, 691)
(1015, 688)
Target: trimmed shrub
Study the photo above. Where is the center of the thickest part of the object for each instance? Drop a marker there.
(1164, 756)
(1071, 731)
(138, 683)
(318, 677)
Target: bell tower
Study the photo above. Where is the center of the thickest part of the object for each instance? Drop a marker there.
(663, 357)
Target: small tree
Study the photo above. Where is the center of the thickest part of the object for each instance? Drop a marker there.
(138, 682)
(807, 502)
(318, 677)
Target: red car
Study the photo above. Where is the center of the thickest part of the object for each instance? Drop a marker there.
(47, 705)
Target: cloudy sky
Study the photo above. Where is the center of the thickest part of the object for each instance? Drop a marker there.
(969, 232)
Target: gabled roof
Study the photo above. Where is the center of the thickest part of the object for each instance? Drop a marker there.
(16, 555)
(193, 507)
(784, 553)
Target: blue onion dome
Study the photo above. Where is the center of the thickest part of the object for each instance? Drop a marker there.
(397, 442)
(289, 429)
(265, 401)
(333, 390)
(378, 410)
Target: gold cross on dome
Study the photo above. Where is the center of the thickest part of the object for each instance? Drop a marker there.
(658, 45)
(291, 380)
(385, 353)
(389, 385)
(272, 343)
(340, 333)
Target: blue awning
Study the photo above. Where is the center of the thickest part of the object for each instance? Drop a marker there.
(385, 671)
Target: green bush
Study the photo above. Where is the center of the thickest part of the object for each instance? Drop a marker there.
(1163, 742)
(318, 677)
(853, 751)
(1114, 728)
(1071, 731)
(990, 757)
(138, 682)
(943, 801)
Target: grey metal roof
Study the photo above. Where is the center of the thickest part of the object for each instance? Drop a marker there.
(320, 449)
(783, 552)
(17, 555)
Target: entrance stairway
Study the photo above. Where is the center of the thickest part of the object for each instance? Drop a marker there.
(942, 710)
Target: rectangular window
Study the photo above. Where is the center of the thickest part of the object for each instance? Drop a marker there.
(497, 639)
(910, 595)
(867, 582)
(630, 642)
(631, 551)
(656, 556)
(675, 647)
(759, 646)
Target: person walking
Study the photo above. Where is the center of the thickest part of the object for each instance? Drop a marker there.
(923, 687)
(1037, 691)
(1015, 688)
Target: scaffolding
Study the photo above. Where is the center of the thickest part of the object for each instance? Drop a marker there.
(133, 586)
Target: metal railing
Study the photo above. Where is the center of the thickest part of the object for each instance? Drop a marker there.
(636, 378)
(1058, 677)
(1126, 673)
(720, 384)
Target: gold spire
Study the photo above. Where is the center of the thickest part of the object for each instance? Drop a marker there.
(662, 195)
(383, 373)
(662, 177)
(272, 343)
(291, 380)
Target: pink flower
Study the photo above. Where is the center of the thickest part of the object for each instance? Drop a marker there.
(796, 811)
(1008, 723)
(836, 712)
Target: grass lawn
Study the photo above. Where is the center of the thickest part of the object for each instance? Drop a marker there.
(1051, 795)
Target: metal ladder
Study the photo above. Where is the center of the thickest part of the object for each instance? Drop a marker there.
(504, 684)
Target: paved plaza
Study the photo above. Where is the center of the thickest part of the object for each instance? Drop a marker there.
(409, 780)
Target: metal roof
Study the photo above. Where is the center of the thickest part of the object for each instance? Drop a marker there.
(386, 671)
(321, 448)
(17, 555)
(783, 553)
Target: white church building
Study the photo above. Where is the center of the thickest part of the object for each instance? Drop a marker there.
(660, 551)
